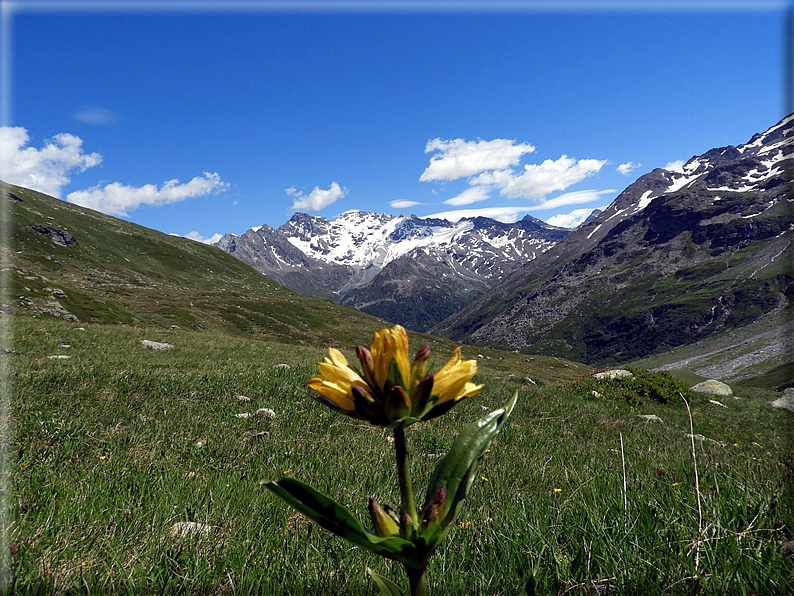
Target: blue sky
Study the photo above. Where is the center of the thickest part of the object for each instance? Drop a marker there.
(214, 121)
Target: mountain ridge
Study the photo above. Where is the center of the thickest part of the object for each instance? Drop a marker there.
(369, 260)
(679, 255)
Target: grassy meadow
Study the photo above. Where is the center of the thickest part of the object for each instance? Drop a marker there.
(114, 445)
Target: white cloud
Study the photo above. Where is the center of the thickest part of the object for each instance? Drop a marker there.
(627, 168)
(675, 166)
(474, 194)
(117, 199)
(47, 169)
(403, 204)
(572, 219)
(578, 197)
(96, 115)
(538, 180)
(457, 158)
(510, 214)
(199, 238)
(503, 214)
(317, 199)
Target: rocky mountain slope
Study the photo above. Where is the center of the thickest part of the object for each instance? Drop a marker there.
(408, 270)
(679, 256)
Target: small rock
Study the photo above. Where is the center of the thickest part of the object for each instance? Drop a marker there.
(282, 365)
(243, 398)
(700, 437)
(716, 403)
(618, 373)
(59, 357)
(712, 387)
(650, 417)
(156, 345)
(788, 548)
(183, 529)
(265, 412)
(786, 401)
(243, 415)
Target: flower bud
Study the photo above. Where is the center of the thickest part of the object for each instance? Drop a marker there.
(398, 404)
(367, 365)
(406, 526)
(435, 510)
(421, 394)
(382, 522)
(367, 407)
(429, 516)
(419, 366)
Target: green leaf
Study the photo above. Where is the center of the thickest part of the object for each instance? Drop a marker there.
(457, 469)
(329, 514)
(386, 587)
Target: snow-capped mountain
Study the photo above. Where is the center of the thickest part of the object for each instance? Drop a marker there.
(354, 258)
(680, 255)
(755, 167)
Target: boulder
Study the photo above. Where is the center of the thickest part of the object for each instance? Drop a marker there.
(59, 237)
(649, 417)
(786, 401)
(185, 528)
(712, 387)
(618, 373)
(156, 345)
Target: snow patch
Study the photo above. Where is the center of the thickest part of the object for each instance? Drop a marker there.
(598, 227)
(645, 200)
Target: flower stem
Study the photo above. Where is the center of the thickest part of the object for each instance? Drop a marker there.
(418, 581)
(404, 475)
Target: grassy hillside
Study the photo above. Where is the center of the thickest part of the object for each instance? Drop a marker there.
(122, 273)
(113, 443)
(116, 444)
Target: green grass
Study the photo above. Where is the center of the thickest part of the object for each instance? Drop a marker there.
(105, 461)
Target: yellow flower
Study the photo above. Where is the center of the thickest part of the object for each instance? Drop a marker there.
(464, 525)
(557, 490)
(392, 390)
(676, 484)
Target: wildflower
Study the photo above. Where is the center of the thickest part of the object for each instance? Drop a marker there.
(676, 484)
(23, 464)
(557, 490)
(391, 390)
(287, 471)
(464, 525)
(484, 479)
